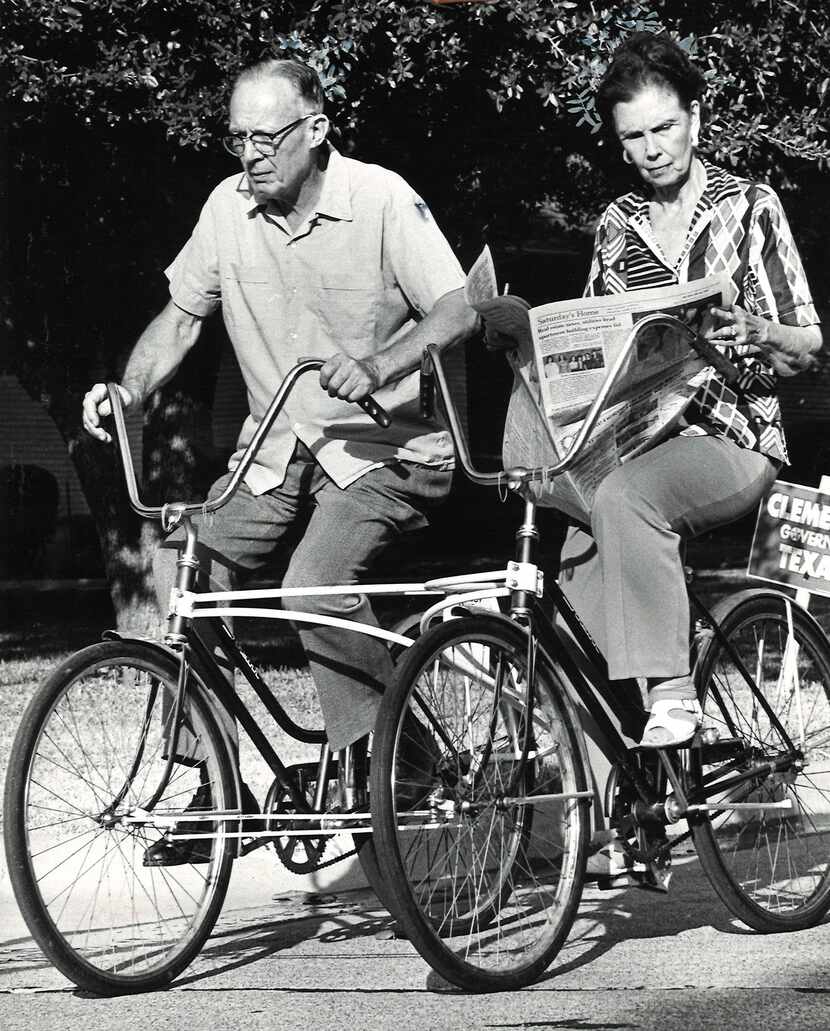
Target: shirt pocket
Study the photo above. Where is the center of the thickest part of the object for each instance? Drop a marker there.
(250, 294)
(346, 305)
(250, 274)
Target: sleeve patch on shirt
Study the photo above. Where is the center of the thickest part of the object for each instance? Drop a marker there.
(423, 210)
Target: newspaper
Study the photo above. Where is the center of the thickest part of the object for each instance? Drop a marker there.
(566, 351)
(506, 313)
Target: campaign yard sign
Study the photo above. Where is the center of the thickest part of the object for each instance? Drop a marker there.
(791, 545)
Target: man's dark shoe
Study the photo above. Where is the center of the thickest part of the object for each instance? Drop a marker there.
(193, 850)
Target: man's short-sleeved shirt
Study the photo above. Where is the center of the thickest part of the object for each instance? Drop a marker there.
(739, 229)
(358, 273)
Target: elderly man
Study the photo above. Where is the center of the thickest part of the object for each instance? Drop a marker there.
(312, 253)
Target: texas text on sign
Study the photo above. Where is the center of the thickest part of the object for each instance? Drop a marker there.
(792, 538)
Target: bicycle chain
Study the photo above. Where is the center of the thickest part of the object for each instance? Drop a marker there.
(273, 809)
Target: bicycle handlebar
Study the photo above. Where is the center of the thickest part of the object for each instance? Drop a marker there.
(432, 376)
(172, 511)
(519, 476)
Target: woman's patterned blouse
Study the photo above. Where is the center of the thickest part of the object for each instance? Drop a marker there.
(740, 229)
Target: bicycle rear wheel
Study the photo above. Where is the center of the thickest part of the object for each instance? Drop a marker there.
(770, 866)
(87, 758)
(480, 822)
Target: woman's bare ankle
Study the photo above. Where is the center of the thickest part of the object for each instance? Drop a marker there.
(671, 688)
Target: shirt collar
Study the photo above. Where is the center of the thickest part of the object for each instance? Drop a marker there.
(244, 190)
(719, 184)
(335, 196)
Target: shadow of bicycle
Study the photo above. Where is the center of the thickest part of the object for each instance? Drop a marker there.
(246, 937)
(607, 919)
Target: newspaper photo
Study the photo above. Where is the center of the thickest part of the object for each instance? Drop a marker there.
(567, 350)
(576, 343)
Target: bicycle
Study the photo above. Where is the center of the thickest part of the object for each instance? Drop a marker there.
(479, 786)
(101, 766)
(113, 940)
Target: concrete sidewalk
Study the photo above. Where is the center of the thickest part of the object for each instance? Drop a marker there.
(296, 958)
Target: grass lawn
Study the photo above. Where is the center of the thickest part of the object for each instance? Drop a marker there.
(40, 631)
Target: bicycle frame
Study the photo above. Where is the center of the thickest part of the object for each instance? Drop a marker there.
(596, 693)
(520, 580)
(213, 607)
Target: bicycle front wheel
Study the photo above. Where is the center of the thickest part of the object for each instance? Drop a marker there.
(86, 761)
(479, 808)
(768, 691)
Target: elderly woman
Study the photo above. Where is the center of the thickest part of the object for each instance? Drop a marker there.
(686, 219)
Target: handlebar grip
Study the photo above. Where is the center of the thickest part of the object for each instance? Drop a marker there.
(706, 349)
(368, 403)
(427, 391)
(376, 411)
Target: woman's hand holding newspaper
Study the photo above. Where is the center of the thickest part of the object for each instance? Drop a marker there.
(506, 324)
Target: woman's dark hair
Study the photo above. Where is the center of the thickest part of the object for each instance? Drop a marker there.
(647, 60)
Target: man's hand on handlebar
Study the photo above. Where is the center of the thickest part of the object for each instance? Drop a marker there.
(350, 379)
(96, 404)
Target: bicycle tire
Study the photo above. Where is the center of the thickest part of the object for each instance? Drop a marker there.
(771, 868)
(364, 844)
(485, 883)
(93, 730)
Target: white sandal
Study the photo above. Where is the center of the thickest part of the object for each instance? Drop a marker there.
(673, 721)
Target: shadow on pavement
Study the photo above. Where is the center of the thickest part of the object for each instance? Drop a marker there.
(240, 940)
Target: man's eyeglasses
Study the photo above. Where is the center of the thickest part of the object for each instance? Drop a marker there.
(267, 143)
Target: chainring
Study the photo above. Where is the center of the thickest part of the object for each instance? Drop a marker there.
(300, 854)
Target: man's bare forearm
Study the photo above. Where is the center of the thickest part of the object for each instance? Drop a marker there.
(159, 351)
(450, 321)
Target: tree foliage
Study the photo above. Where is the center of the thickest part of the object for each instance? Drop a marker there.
(400, 71)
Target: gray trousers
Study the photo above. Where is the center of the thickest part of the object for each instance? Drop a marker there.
(625, 579)
(344, 529)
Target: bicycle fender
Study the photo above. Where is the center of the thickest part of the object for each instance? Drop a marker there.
(551, 660)
(170, 655)
(720, 611)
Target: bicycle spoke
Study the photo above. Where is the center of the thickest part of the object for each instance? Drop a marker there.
(491, 912)
(774, 868)
(93, 758)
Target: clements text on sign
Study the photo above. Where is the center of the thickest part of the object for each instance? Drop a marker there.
(792, 538)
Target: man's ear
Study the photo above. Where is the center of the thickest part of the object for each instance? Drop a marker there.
(320, 126)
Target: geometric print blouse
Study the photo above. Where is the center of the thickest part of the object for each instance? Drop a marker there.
(739, 228)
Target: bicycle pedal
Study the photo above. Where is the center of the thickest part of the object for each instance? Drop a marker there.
(647, 751)
(615, 882)
(653, 879)
(717, 751)
(245, 847)
(612, 867)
